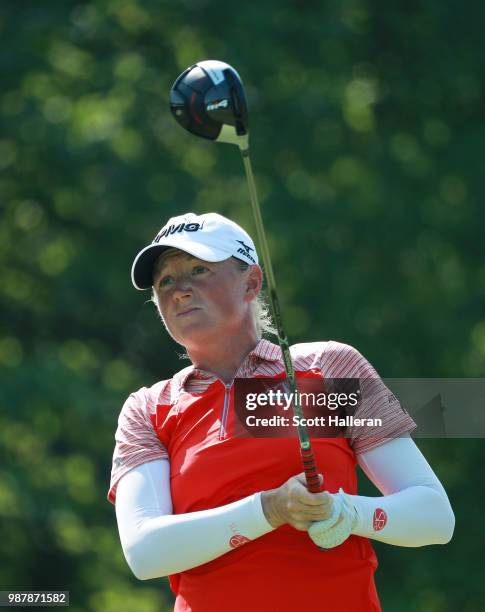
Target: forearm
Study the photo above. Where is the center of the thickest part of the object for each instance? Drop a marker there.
(416, 516)
(416, 505)
(157, 544)
(414, 509)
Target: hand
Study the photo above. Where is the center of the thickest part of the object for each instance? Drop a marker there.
(292, 504)
(337, 528)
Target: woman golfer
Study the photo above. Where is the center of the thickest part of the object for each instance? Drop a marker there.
(227, 516)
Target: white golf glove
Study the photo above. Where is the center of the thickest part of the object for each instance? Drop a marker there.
(337, 528)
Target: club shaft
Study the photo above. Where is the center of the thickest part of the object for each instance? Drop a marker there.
(308, 458)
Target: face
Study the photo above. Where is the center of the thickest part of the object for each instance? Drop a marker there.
(200, 300)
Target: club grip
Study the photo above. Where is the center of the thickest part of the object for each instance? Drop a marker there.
(311, 471)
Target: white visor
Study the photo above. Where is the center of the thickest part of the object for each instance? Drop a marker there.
(210, 237)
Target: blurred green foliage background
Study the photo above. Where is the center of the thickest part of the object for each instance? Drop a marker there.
(368, 133)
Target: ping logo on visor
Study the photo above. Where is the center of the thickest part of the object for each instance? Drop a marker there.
(177, 229)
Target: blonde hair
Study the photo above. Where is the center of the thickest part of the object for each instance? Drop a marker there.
(260, 310)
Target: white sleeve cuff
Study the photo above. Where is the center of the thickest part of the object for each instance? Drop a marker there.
(259, 515)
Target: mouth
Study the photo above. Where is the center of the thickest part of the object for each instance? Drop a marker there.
(184, 313)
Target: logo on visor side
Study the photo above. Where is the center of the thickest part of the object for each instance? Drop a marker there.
(177, 229)
(244, 250)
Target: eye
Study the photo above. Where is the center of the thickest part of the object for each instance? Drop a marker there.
(165, 281)
(199, 269)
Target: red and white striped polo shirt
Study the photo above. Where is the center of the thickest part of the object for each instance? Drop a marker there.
(189, 420)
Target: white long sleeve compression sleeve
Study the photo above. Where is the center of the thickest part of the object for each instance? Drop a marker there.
(414, 509)
(157, 543)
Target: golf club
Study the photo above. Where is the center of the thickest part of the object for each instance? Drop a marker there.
(208, 100)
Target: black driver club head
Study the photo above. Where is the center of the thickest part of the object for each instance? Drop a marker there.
(208, 100)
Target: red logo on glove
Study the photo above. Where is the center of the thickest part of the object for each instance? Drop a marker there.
(238, 540)
(379, 519)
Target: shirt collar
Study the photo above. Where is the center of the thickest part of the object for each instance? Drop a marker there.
(266, 350)
(263, 351)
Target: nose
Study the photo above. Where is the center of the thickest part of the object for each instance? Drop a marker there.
(182, 288)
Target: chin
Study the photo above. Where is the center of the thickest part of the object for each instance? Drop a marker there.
(196, 334)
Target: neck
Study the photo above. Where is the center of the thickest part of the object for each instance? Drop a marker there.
(223, 357)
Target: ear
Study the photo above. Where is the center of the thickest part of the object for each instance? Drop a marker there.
(254, 282)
